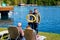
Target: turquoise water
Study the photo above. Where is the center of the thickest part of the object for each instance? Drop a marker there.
(50, 17)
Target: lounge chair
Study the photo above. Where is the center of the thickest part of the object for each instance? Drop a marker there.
(14, 34)
(29, 34)
(4, 37)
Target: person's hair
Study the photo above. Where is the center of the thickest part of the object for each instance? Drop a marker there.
(28, 26)
(30, 11)
(35, 9)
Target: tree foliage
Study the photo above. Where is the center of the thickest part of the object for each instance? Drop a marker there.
(38, 2)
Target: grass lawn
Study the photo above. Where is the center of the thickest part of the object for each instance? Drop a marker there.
(50, 36)
(1, 29)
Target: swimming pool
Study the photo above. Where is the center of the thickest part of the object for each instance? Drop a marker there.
(50, 17)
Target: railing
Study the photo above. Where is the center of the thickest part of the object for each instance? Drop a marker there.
(7, 8)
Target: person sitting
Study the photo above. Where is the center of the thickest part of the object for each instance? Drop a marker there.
(30, 34)
(20, 31)
(28, 27)
(38, 37)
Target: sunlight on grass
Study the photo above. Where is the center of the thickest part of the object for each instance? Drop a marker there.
(50, 36)
(1, 29)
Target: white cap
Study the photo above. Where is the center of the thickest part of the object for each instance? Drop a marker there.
(19, 24)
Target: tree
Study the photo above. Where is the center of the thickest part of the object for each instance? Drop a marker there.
(38, 2)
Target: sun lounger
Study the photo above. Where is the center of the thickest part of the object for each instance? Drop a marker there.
(3, 32)
(4, 35)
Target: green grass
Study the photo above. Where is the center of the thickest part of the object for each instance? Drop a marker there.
(50, 36)
(1, 29)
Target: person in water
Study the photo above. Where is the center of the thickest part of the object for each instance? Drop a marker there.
(36, 22)
(31, 18)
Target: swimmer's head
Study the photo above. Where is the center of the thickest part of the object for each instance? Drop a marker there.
(35, 10)
(30, 11)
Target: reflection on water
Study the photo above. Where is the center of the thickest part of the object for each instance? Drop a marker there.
(10, 14)
(50, 17)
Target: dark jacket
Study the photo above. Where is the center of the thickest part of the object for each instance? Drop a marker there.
(37, 17)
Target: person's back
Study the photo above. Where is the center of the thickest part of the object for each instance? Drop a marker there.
(13, 32)
(31, 33)
(28, 27)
